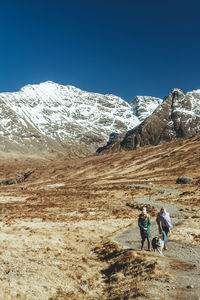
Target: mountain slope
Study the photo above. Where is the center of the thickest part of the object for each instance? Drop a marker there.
(178, 116)
(144, 106)
(53, 117)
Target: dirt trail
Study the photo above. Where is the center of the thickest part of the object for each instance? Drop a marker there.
(184, 260)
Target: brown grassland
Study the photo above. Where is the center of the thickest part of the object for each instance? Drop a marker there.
(58, 224)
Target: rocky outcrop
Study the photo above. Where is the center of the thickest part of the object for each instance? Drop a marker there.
(184, 180)
(178, 116)
(21, 177)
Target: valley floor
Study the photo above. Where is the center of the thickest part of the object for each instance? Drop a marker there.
(59, 226)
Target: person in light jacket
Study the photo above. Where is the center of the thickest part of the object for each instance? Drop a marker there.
(164, 225)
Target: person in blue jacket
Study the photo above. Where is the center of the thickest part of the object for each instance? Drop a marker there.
(144, 225)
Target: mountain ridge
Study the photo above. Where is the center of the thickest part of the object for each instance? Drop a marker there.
(53, 118)
(178, 116)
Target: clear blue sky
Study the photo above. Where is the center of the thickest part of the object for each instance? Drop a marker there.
(123, 47)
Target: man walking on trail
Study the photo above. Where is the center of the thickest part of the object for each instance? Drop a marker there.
(144, 225)
(164, 225)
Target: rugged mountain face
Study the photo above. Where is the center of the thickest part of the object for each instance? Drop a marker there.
(143, 106)
(178, 116)
(52, 117)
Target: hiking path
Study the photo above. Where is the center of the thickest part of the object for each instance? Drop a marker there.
(185, 257)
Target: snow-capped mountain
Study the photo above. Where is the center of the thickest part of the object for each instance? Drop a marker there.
(144, 106)
(53, 117)
(177, 116)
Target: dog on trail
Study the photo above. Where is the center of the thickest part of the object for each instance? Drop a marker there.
(157, 244)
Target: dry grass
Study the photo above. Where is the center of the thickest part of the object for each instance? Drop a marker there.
(52, 222)
(129, 272)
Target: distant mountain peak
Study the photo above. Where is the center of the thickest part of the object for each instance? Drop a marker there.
(177, 90)
(53, 117)
(177, 116)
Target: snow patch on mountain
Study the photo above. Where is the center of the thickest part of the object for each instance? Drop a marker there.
(144, 106)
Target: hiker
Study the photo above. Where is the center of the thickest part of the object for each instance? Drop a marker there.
(144, 225)
(164, 225)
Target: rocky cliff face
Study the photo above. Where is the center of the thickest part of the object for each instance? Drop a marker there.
(52, 117)
(144, 106)
(178, 116)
